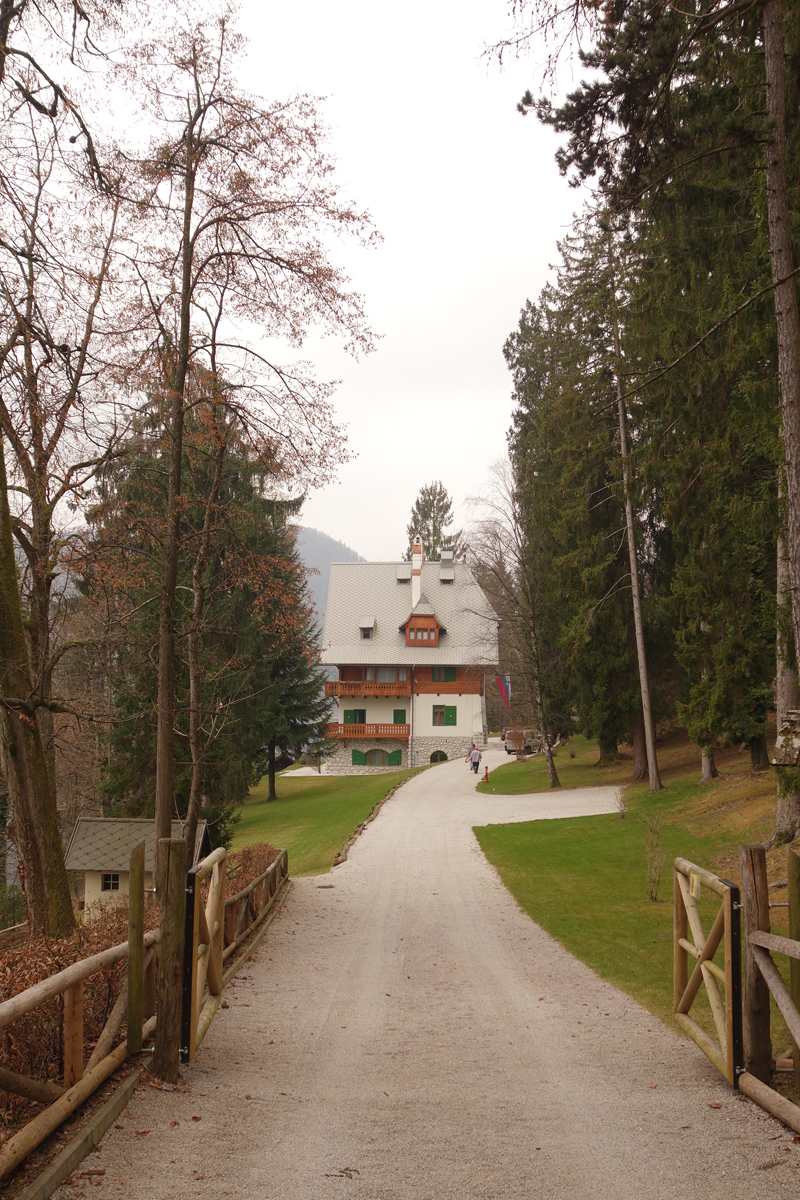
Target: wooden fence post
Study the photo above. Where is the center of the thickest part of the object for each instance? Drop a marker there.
(171, 919)
(680, 976)
(793, 882)
(755, 899)
(136, 949)
(73, 1034)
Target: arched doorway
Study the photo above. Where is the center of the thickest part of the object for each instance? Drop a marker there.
(438, 756)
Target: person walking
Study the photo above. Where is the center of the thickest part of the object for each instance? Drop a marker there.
(475, 758)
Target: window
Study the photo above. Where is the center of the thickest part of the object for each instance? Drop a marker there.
(385, 674)
(354, 716)
(369, 673)
(438, 756)
(399, 716)
(443, 674)
(110, 881)
(376, 758)
(366, 634)
(445, 714)
(402, 674)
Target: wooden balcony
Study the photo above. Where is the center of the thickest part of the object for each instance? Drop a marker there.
(367, 688)
(370, 731)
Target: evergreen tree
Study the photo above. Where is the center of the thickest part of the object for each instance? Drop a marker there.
(257, 638)
(431, 515)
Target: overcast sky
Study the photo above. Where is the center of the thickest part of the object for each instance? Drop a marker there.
(467, 197)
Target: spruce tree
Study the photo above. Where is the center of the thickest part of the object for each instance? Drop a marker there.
(431, 516)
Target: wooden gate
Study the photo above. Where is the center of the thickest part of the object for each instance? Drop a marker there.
(726, 1053)
(203, 950)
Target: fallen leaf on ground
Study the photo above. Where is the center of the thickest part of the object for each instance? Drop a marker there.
(174, 1123)
(141, 1132)
(200, 1118)
(714, 1104)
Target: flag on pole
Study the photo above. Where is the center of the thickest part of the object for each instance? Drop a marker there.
(504, 688)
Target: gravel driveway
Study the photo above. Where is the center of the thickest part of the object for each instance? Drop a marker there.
(407, 1032)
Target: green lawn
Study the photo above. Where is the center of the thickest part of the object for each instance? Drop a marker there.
(584, 879)
(575, 763)
(312, 817)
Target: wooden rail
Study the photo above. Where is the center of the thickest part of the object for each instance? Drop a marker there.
(214, 932)
(202, 950)
(343, 687)
(726, 1053)
(362, 731)
(80, 1078)
(762, 979)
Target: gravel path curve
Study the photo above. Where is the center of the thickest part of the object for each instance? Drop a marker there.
(406, 1032)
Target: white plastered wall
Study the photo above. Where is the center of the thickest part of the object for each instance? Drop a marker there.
(94, 894)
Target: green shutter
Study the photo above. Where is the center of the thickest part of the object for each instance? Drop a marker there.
(396, 758)
(449, 674)
(450, 714)
(349, 717)
(359, 758)
(399, 716)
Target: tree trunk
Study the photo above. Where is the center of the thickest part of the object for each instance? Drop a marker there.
(709, 766)
(787, 696)
(640, 770)
(198, 746)
(785, 289)
(271, 793)
(759, 759)
(22, 757)
(178, 363)
(638, 622)
(609, 750)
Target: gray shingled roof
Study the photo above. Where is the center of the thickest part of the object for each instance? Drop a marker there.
(460, 606)
(106, 843)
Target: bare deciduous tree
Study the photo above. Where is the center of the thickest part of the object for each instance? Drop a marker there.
(236, 200)
(501, 544)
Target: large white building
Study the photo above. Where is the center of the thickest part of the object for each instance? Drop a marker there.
(413, 643)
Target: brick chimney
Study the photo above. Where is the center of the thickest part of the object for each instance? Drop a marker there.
(416, 571)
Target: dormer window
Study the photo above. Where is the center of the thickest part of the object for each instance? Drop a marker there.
(367, 627)
(366, 634)
(423, 631)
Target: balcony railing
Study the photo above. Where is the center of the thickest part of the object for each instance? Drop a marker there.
(369, 731)
(364, 688)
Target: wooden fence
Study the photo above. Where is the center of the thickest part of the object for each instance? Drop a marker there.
(214, 931)
(726, 1053)
(136, 1003)
(743, 1050)
(762, 979)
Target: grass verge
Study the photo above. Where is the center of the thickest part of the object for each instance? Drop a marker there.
(584, 879)
(313, 816)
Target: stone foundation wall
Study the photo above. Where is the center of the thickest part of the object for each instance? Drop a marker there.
(454, 747)
(341, 763)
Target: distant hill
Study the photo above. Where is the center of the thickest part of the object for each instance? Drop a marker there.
(318, 551)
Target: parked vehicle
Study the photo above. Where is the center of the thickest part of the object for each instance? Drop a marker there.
(525, 739)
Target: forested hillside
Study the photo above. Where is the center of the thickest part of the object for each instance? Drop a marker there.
(317, 552)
